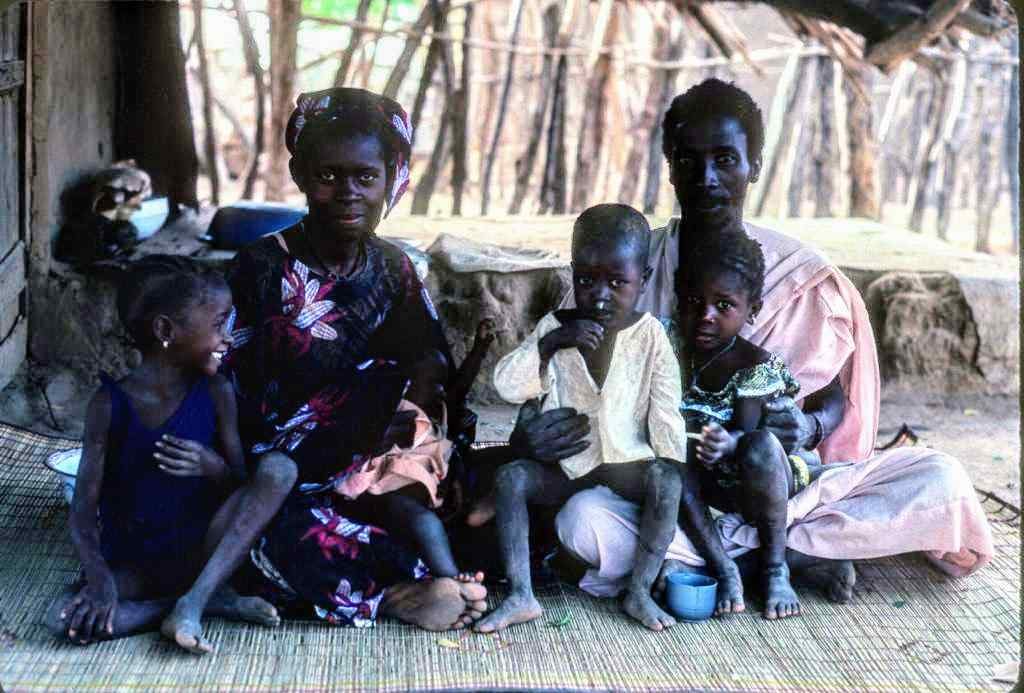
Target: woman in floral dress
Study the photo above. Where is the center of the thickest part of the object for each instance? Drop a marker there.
(328, 318)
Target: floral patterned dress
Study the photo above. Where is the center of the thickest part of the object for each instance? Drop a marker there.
(317, 367)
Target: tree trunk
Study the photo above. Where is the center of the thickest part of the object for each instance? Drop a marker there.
(952, 140)
(983, 197)
(492, 152)
(209, 133)
(460, 119)
(401, 68)
(153, 121)
(655, 155)
(284, 31)
(646, 119)
(914, 129)
(779, 133)
(591, 132)
(799, 165)
(926, 173)
(355, 37)
(825, 159)
(525, 164)
(1011, 154)
(553, 184)
(251, 51)
(435, 53)
(862, 143)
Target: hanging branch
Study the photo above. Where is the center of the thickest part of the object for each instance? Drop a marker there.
(284, 30)
(492, 154)
(887, 53)
(435, 52)
(401, 68)
(524, 166)
(209, 134)
(356, 35)
(460, 120)
(251, 51)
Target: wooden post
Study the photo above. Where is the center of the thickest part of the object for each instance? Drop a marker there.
(591, 131)
(894, 119)
(797, 168)
(553, 184)
(425, 187)
(460, 120)
(525, 164)
(925, 175)
(401, 68)
(825, 159)
(251, 51)
(863, 147)
(492, 152)
(655, 156)
(209, 132)
(284, 29)
(953, 137)
(786, 92)
(435, 53)
(1011, 153)
(983, 185)
(355, 36)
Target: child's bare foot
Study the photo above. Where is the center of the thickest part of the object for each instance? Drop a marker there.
(440, 604)
(183, 627)
(643, 608)
(517, 608)
(780, 599)
(730, 591)
(229, 604)
(483, 511)
(835, 578)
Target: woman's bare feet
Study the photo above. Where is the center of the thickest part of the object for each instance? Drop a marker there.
(482, 512)
(438, 604)
(779, 597)
(229, 604)
(183, 627)
(644, 609)
(517, 608)
(834, 578)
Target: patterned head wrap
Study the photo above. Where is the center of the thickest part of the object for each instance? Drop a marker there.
(359, 105)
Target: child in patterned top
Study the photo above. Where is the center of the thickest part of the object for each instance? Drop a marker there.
(727, 382)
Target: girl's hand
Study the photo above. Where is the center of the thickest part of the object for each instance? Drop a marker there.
(90, 615)
(485, 333)
(714, 444)
(180, 457)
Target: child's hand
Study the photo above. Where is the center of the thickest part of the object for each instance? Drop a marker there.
(585, 335)
(714, 444)
(90, 615)
(485, 334)
(180, 457)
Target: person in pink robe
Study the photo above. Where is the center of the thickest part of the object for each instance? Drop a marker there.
(864, 505)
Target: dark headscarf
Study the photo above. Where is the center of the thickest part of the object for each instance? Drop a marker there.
(322, 107)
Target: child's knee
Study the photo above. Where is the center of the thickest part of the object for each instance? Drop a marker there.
(513, 476)
(663, 476)
(278, 470)
(759, 450)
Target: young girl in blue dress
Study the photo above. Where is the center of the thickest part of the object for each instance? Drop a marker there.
(163, 509)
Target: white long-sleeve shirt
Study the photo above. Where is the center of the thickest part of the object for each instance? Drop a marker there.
(635, 416)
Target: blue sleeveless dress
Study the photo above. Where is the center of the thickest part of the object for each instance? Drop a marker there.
(147, 516)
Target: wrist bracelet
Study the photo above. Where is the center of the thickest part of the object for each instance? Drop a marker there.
(819, 432)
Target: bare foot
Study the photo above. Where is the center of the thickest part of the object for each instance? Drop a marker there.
(517, 608)
(642, 608)
(183, 627)
(438, 604)
(730, 591)
(229, 604)
(780, 599)
(835, 578)
(483, 511)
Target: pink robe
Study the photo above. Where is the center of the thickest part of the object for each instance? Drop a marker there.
(907, 499)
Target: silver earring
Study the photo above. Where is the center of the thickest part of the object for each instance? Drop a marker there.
(165, 343)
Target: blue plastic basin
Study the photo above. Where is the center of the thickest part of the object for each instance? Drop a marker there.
(243, 222)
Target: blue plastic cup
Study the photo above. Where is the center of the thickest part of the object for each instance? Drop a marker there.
(691, 596)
